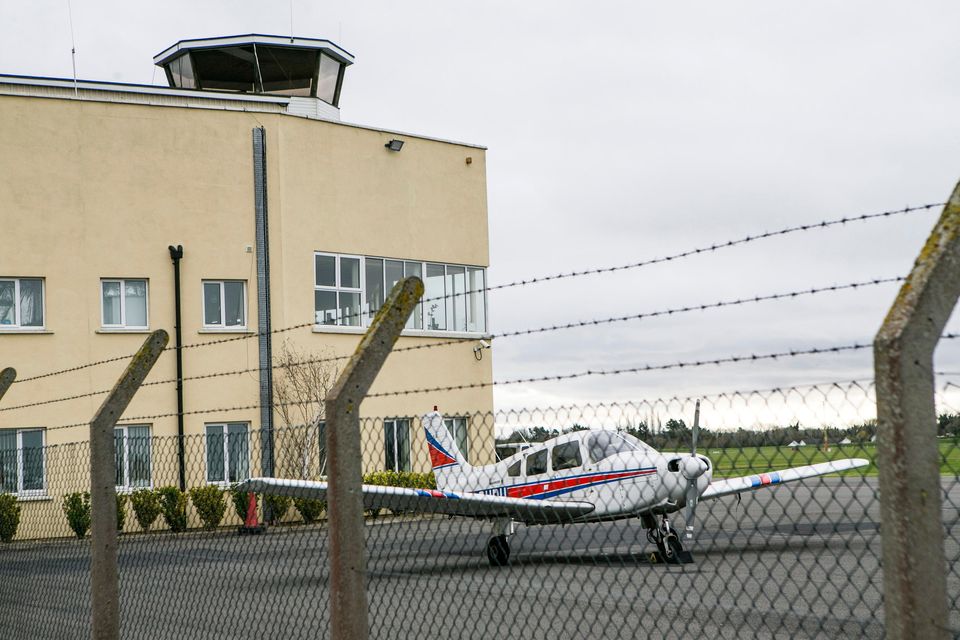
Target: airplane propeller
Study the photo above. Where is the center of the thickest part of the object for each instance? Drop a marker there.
(692, 468)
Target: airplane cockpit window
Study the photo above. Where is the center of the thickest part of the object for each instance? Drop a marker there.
(537, 463)
(604, 444)
(514, 470)
(567, 456)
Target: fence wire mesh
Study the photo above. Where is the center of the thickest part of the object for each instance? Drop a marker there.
(586, 554)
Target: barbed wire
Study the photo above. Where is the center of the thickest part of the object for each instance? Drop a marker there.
(507, 334)
(825, 224)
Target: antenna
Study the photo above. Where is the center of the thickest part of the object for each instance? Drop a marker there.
(73, 49)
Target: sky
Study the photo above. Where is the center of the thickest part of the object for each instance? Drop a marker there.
(622, 131)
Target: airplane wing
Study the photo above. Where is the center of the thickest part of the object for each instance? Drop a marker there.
(751, 483)
(471, 505)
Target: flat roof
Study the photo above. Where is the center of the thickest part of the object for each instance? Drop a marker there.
(327, 46)
(244, 101)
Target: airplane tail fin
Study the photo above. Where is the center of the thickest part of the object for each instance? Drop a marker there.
(450, 466)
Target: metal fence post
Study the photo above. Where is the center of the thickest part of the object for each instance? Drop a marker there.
(914, 564)
(7, 376)
(348, 598)
(104, 587)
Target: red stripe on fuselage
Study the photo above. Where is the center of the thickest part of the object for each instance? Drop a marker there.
(550, 485)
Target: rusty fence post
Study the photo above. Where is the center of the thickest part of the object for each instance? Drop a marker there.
(348, 597)
(104, 577)
(7, 376)
(914, 564)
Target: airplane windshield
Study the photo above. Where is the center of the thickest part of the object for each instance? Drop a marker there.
(604, 444)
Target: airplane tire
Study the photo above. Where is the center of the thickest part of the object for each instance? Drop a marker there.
(498, 551)
(673, 550)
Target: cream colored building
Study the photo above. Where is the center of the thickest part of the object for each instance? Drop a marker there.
(99, 180)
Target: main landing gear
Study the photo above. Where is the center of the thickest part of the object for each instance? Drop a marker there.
(669, 548)
(498, 549)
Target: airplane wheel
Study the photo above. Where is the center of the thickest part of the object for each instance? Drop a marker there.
(498, 551)
(673, 549)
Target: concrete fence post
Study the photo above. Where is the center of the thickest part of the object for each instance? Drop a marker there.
(104, 577)
(348, 598)
(914, 564)
(7, 376)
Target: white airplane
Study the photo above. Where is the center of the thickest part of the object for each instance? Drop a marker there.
(579, 477)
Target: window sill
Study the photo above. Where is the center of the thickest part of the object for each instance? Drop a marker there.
(407, 333)
(243, 331)
(126, 491)
(19, 332)
(122, 330)
(33, 498)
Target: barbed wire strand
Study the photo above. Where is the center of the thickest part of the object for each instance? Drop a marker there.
(507, 334)
(825, 224)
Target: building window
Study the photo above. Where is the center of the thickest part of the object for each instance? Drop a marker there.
(337, 290)
(458, 429)
(228, 452)
(349, 290)
(132, 453)
(21, 303)
(224, 304)
(22, 466)
(124, 304)
(396, 444)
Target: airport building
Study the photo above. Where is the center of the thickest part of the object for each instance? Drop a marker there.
(235, 206)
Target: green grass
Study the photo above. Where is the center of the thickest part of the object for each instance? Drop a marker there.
(733, 462)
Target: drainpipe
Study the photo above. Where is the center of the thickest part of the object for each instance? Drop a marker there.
(176, 254)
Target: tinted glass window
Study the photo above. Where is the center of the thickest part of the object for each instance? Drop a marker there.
(514, 470)
(567, 456)
(537, 463)
(604, 444)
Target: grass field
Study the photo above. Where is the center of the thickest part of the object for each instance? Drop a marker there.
(741, 462)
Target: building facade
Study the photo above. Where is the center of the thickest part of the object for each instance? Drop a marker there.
(278, 206)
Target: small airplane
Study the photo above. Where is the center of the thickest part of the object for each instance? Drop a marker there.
(580, 477)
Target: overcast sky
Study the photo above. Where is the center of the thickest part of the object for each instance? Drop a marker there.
(620, 131)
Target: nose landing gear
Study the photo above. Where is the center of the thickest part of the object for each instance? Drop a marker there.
(498, 549)
(669, 548)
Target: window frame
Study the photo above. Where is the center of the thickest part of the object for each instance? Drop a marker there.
(126, 487)
(223, 306)
(367, 315)
(453, 432)
(18, 325)
(224, 433)
(396, 450)
(30, 493)
(123, 326)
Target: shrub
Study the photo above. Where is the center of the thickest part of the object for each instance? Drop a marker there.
(240, 502)
(9, 516)
(407, 479)
(121, 511)
(309, 509)
(277, 506)
(146, 507)
(173, 507)
(76, 506)
(209, 503)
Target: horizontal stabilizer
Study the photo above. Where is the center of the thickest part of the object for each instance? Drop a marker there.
(772, 478)
(472, 505)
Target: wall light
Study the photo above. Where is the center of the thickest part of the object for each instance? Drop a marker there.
(394, 145)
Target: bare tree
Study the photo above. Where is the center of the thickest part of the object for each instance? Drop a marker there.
(300, 384)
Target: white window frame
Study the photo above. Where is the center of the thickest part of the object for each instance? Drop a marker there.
(367, 315)
(17, 325)
(338, 289)
(396, 449)
(126, 487)
(123, 304)
(223, 308)
(26, 493)
(226, 451)
(452, 420)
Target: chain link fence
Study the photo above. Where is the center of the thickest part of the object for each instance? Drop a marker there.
(797, 560)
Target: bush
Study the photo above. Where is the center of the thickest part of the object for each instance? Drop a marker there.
(276, 506)
(9, 516)
(146, 507)
(173, 507)
(309, 509)
(121, 511)
(209, 503)
(76, 506)
(240, 502)
(406, 479)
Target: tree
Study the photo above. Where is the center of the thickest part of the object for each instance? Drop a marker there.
(300, 385)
